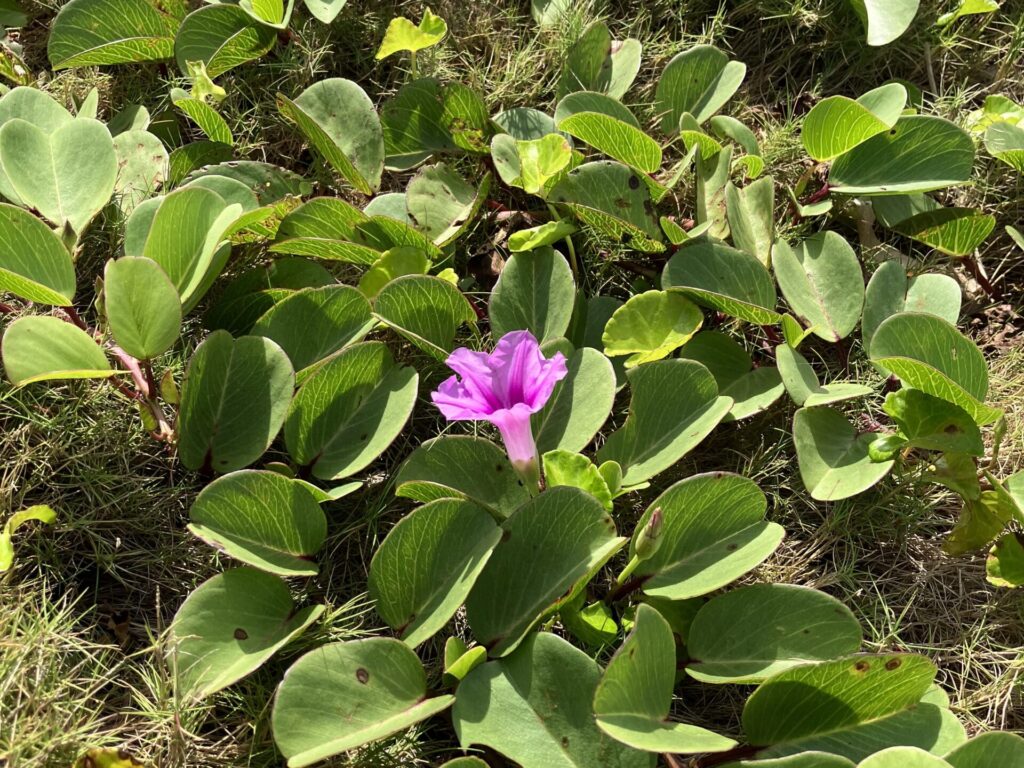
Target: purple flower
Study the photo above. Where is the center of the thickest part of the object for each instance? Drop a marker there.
(505, 388)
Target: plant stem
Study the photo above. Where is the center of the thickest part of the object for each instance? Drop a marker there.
(972, 266)
(412, 65)
(568, 244)
(627, 571)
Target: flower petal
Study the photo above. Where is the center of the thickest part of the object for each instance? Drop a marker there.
(457, 403)
(517, 433)
(552, 371)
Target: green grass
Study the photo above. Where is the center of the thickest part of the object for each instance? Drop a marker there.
(84, 612)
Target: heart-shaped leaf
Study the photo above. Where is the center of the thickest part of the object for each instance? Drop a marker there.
(929, 354)
(37, 348)
(97, 32)
(579, 405)
(229, 626)
(313, 323)
(343, 695)
(754, 632)
(233, 401)
(713, 531)
(566, 536)
(535, 292)
(675, 405)
(577, 471)
(263, 519)
(634, 696)
(340, 122)
(67, 175)
(222, 36)
(142, 306)
(650, 326)
(426, 310)
(427, 565)
(822, 281)
(714, 275)
(403, 35)
(833, 458)
(34, 264)
(534, 706)
(698, 81)
(349, 410)
(919, 154)
(451, 467)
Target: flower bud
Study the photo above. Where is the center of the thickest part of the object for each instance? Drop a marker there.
(649, 540)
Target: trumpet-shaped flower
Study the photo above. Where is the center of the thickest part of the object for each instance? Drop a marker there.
(505, 387)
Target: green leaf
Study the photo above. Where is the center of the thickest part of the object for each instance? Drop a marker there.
(349, 411)
(273, 13)
(38, 348)
(714, 275)
(802, 383)
(11, 14)
(713, 531)
(459, 660)
(987, 750)
(271, 183)
(525, 123)
(1005, 142)
(142, 167)
(675, 405)
(822, 281)
(229, 626)
(933, 424)
(903, 757)
(39, 512)
(442, 204)
(223, 36)
(650, 326)
(340, 122)
(837, 124)
(403, 35)
(452, 467)
(698, 81)
(263, 519)
(142, 306)
(929, 354)
(202, 114)
(325, 11)
(919, 154)
(530, 165)
(800, 760)
(579, 405)
(597, 63)
(313, 323)
(34, 264)
(615, 138)
(588, 101)
(634, 696)
(325, 227)
(184, 233)
(751, 215)
(426, 310)
(752, 391)
(833, 458)
(534, 706)
(754, 632)
(889, 292)
(340, 696)
(967, 8)
(885, 20)
(191, 157)
(953, 231)
(542, 235)
(1005, 565)
(415, 124)
(97, 32)
(566, 536)
(577, 471)
(233, 401)
(535, 292)
(67, 175)
(428, 563)
(815, 699)
(614, 200)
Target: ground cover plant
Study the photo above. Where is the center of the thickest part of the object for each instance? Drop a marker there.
(517, 384)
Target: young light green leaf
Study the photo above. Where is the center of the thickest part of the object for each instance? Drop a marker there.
(542, 235)
(90, 32)
(967, 8)
(427, 565)
(615, 138)
(349, 410)
(403, 35)
(142, 306)
(576, 470)
(530, 164)
(229, 626)
(39, 512)
(340, 696)
(833, 458)
(1005, 564)
(567, 536)
(700, 81)
(233, 401)
(650, 326)
(754, 632)
(535, 292)
(38, 348)
(34, 264)
(403, 260)
(713, 532)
